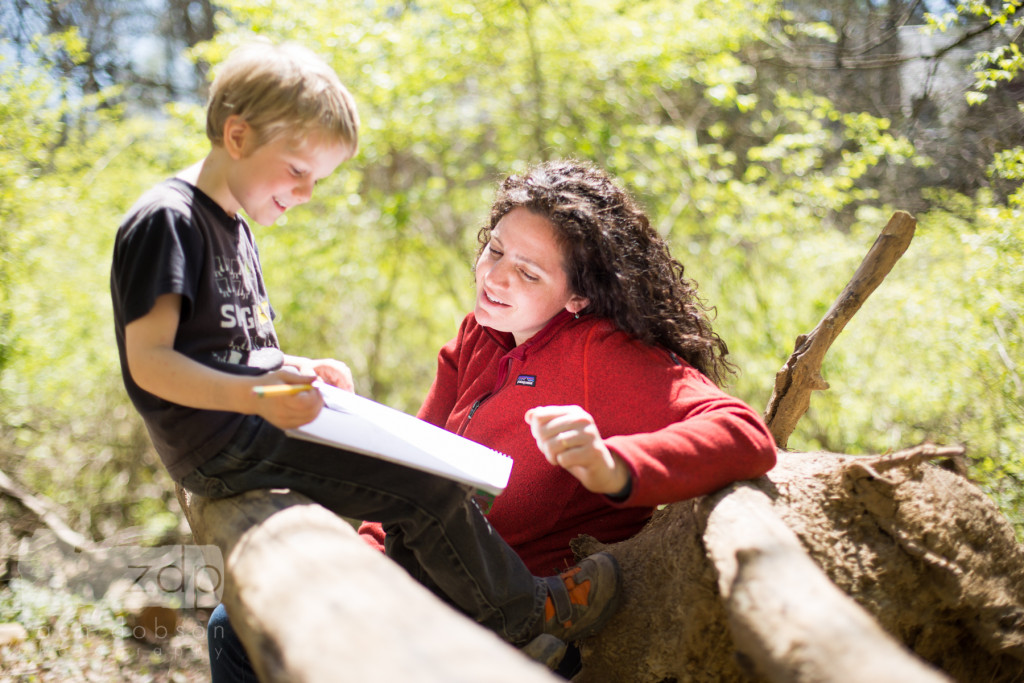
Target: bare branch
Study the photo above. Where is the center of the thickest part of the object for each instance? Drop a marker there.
(46, 511)
(802, 372)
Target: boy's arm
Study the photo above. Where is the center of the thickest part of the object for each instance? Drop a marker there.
(157, 368)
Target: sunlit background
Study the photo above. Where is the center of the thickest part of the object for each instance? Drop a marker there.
(769, 141)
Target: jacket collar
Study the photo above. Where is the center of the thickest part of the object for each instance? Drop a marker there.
(507, 342)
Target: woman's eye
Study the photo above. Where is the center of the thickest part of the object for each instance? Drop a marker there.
(494, 252)
(528, 277)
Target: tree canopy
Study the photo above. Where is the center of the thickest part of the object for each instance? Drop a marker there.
(769, 179)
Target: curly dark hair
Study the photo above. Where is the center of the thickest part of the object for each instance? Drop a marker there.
(614, 258)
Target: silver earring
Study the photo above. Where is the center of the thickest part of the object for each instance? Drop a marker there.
(577, 315)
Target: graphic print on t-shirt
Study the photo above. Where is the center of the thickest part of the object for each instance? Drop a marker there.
(233, 276)
(243, 309)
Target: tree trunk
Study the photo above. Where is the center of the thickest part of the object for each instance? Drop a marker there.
(831, 568)
(916, 546)
(784, 613)
(312, 602)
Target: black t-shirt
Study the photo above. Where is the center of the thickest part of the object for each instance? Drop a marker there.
(177, 240)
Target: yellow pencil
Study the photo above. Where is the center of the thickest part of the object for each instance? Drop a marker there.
(281, 389)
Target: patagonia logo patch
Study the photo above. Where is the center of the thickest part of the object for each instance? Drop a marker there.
(526, 380)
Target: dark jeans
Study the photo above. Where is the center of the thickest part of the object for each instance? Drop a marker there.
(435, 530)
(229, 662)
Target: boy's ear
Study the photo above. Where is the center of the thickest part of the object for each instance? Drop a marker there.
(237, 131)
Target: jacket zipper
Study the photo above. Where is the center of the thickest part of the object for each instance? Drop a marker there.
(499, 385)
(475, 406)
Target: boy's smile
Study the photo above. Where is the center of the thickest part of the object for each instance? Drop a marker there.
(520, 278)
(276, 176)
(265, 180)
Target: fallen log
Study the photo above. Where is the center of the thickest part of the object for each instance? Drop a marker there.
(830, 568)
(312, 602)
(788, 619)
(918, 547)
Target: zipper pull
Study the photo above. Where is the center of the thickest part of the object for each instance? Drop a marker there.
(473, 409)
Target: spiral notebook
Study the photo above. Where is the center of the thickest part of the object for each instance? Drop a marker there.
(359, 424)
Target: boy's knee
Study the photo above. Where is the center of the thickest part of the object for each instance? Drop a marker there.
(444, 496)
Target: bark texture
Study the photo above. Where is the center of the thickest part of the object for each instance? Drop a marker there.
(917, 547)
(313, 603)
(785, 615)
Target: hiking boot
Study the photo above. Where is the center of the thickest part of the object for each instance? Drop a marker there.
(581, 599)
(546, 649)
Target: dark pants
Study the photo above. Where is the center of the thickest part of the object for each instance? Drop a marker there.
(229, 662)
(435, 529)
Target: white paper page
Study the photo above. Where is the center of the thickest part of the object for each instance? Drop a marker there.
(368, 427)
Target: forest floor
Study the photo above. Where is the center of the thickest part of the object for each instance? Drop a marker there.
(121, 611)
(54, 636)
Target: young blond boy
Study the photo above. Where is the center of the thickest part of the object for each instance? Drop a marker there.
(195, 334)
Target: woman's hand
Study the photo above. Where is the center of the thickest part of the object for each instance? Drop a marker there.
(568, 438)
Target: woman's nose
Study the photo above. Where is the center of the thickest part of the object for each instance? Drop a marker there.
(496, 275)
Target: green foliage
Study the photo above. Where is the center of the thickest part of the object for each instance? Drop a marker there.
(1009, 165)
(768, 194)
(947, 327)
(22, 156)
(1003, 63)
(677, 115)
(68, 170)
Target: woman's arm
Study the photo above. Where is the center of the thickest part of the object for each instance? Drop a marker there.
(569, 438)
(720, 440)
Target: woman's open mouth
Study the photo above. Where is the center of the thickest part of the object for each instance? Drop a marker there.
(492, 300)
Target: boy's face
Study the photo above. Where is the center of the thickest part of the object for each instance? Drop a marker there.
(267, 180)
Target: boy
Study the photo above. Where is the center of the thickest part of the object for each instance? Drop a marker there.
(195, 336)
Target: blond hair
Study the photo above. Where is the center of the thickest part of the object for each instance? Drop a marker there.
(278, 90)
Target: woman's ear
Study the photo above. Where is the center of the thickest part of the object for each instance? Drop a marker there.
(237, 132)
(577, 303)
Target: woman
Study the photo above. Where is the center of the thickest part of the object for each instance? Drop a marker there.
(582, 310)
(591, 361)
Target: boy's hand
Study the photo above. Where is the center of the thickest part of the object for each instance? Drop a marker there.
(334, 372)
(289, 412)
(568, 438)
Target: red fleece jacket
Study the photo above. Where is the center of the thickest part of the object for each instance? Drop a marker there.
(679, 434)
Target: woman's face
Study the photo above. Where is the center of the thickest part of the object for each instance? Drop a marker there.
(520, 277)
